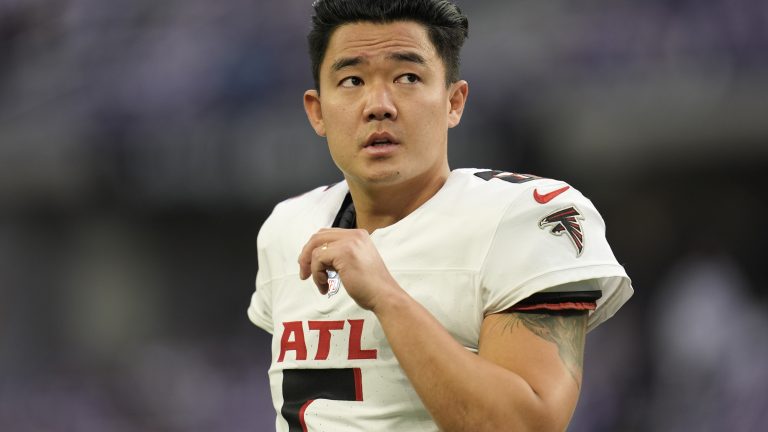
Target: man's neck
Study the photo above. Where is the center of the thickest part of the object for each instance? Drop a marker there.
(380, 206)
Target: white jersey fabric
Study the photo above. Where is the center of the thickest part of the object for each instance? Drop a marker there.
(478, 246)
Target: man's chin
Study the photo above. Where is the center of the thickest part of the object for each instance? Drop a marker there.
(379, 178)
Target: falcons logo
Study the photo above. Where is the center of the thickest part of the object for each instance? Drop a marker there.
(566, 221)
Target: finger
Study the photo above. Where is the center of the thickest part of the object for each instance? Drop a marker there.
(321, 261)
(305, 257)
(326, 230)
(321, 281)
(324, 236)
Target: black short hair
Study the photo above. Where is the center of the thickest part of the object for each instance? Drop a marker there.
(446, 26)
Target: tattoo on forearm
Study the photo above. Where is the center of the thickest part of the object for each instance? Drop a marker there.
(567, 330)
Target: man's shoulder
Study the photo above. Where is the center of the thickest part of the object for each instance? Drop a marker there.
(327, 195)
(509, 179)
(514, 194)
(499, 185)
(317, 207)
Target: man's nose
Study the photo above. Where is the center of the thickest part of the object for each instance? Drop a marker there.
(379, 105)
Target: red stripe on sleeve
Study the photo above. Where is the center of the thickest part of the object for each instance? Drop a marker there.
(564, 306)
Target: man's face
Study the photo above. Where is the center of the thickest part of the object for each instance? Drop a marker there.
(384, 105)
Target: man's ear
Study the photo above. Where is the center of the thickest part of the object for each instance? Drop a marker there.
(314, 112)
(457, 97)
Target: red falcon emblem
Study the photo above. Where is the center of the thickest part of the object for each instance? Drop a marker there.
(566, 221)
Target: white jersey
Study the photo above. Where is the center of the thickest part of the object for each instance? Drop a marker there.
(484, 242)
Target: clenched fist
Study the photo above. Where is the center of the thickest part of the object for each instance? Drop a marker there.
(352, 254)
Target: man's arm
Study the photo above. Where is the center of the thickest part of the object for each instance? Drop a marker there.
(526, 376)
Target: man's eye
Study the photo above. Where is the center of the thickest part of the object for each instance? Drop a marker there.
(408, 78)
(351, 82)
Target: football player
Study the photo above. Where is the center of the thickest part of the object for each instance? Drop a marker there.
(409, 297)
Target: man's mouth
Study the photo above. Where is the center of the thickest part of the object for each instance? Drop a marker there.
(380, 139)
(379, 142)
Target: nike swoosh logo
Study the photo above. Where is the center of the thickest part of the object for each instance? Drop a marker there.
(547, 197)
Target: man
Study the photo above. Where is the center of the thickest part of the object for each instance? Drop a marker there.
(422, 299)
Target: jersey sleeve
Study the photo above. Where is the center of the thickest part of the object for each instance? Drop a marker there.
(537, 247)
(260, 309)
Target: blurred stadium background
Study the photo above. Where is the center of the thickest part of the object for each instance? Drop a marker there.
(142, 144)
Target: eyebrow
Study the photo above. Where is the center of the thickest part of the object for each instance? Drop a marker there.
(404, 56)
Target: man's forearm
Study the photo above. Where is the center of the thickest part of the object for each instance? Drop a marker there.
(461, 390)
